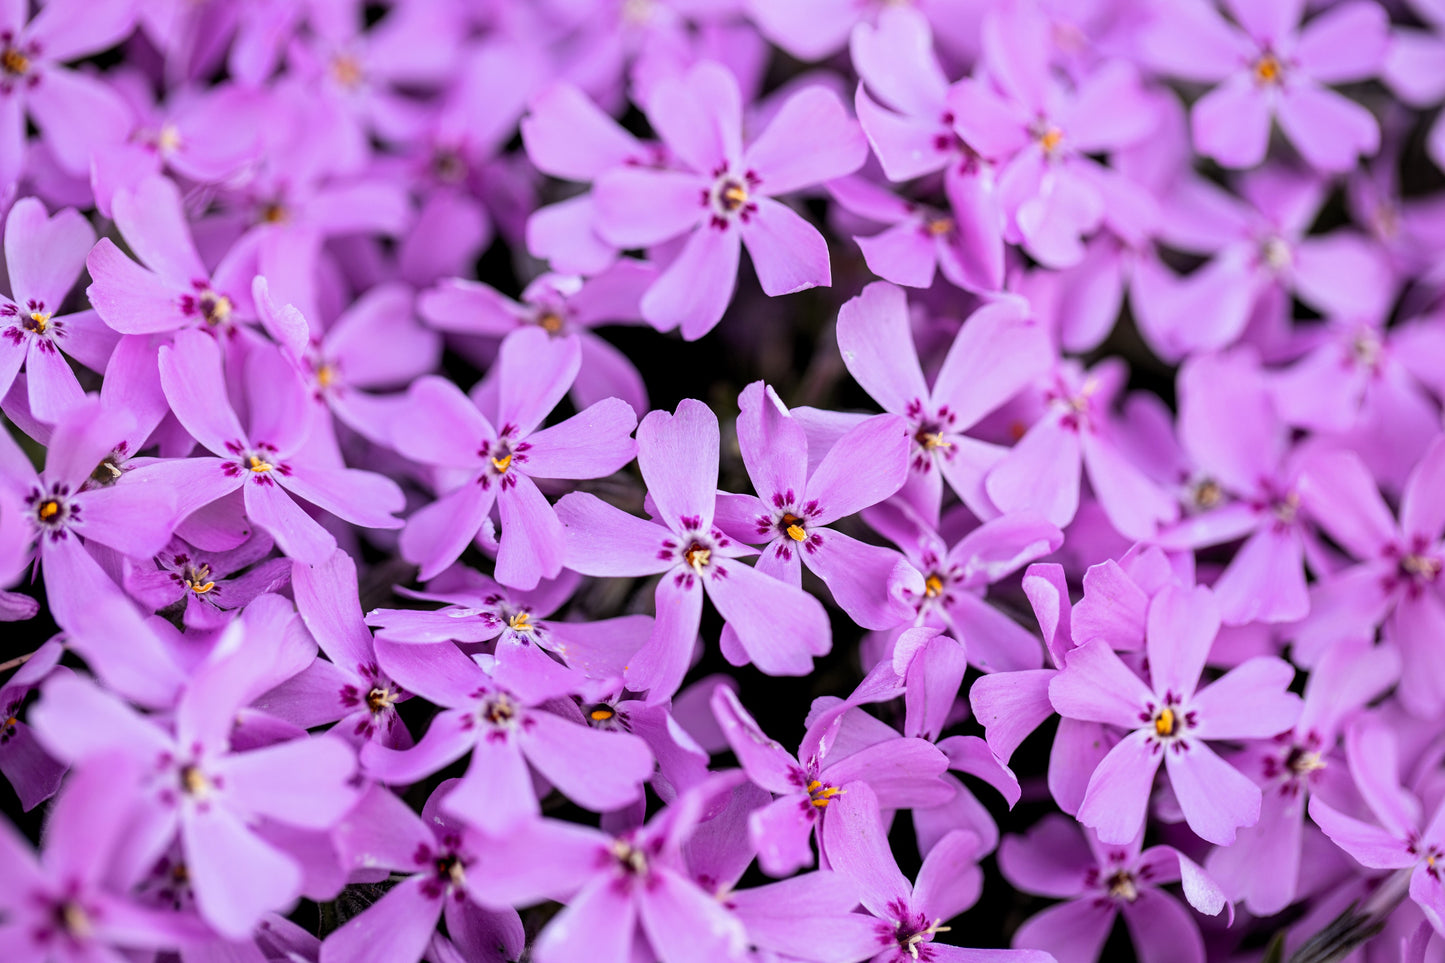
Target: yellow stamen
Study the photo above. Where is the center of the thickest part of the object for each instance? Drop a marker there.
(521, 622)
(347, 71)
(938, 226)
(257, 465)
(8, 722)
(169, 139)
(325, 375)
(931, 440)
(501, 464)
(194, 782)
(49, 509)
(14, 61)
(820, 795)
(1164, 722)
(697, 556)
(933, 586)
(793, 528)
(379, 699)
(601, 713)
(42, 321)
(216, 308)
(1050, 139)
(77, 923)
(734, 196)
(275, 213)
(1267, 69)
(550, 322)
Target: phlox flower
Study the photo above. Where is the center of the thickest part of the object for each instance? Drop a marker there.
(1170, 723)
(268, 463)
(1101, 882)
(1268, 67)
(724, 195)
(496, 459)
(779, 627)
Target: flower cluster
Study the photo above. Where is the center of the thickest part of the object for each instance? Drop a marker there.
(381, 608)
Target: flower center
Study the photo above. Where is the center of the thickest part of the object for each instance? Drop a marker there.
(15, 63)
(258, 464)
(503, 463)
(325, 375)
(933, 585)
(450, 871)
(1302, 762)
(198, 579)
(379, 699)
(730, 198)
(1286, 509)
(1423, 567)
(550, 321)
(346, 71)
(195, 783)
(601, 713)
(632, 860)
(521, 622)
(37, 322)
(930, 436)
(732, 195)
(819, 794)
(793, 526)
(448, 165)
(215, 308)
(1276, 253)
(275, 212)
(1268, 69)
(937, 225)
(1366, 349)
(73, 919)
(911, 933)
(1121, 886)
(1165, 723)
(500, 711)
(697, 556)
(1206, 494)
(1050, 137)
(107, 471)
(48, 509)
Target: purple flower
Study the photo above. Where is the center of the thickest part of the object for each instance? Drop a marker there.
(1098, 883)
(63, 906)
(1403, 839)
(1269, 68)
(905, 772)
(1170, 722)
(209, 585)
(78, 115)
(1398, 581)
(44, 255)
(793, 507)
(908, 918)
(724, 196)
(191, 782)
(503, 731)
(779, 627)
(996, 354)
(496, 465)
(895, 60)
(174, 290)
(268, 464)
(348, 687)
(443, 863)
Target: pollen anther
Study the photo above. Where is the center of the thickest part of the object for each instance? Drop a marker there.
(1164, 722)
